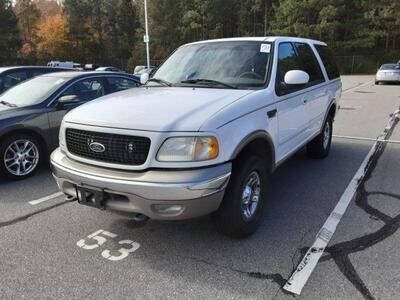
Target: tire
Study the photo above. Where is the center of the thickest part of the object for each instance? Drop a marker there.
(377, 83)
(17, 165)
(319, 147)
(231, 218)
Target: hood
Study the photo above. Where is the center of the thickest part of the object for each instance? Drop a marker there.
(156, 108)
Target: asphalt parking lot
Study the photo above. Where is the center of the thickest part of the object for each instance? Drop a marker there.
(56, 249)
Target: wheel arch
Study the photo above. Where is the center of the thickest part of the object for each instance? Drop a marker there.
(330, 112)
(28, 131)
(259, 142)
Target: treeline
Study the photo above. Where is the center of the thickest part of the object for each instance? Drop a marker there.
(110, 32)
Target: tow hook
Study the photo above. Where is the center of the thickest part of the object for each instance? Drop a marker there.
(70, 198)
(140, 218)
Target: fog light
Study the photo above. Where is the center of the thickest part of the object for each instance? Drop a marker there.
(165, 209)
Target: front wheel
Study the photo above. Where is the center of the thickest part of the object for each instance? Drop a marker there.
(241, 210)
(20, 156)
(319, 147)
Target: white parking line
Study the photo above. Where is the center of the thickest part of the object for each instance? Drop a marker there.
(365, 139)
(356, 87)
(49, 197)
(300, 276)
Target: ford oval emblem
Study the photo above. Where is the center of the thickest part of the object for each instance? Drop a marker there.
(97, 147)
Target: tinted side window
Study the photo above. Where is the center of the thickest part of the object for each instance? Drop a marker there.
(329, 61)
(87, 89)
(287, 61)
(119, 84)
(13, 78)
(309, 63)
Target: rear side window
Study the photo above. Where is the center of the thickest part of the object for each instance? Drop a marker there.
(329, 61)
(119, 84)
(309, 63)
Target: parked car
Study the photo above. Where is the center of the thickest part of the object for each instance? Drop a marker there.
(10, 76)
(150, 71)
(139, 68)
(388, 73)
(109, 69)
(205, 132)
(31, 114)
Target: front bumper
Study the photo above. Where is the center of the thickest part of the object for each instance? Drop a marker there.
(197, 192)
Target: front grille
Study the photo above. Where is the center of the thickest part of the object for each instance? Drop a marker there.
(118, 149)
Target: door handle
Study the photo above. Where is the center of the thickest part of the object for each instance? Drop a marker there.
(272, 113)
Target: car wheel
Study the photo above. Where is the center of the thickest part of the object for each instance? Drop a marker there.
(319, 147)
(377, 83)
(241, 210)
(20, 156)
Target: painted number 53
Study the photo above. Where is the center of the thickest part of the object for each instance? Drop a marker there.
(98, 238)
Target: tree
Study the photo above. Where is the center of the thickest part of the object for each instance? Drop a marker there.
(53, 39)
(9, 33)
(48, 8)
(102, 32)
(28, 16)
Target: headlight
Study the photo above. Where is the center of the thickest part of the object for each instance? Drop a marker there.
(181, 149)
(61, 135)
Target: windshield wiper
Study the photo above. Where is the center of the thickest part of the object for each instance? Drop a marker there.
(8, 103)
(209, 82)
(161, 81)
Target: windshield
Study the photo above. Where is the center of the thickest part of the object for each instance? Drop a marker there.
(238, 64)
(33, 91)
(390, 67)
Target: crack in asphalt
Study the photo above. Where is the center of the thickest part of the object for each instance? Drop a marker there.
(27, 216)
(275, 277)
(340, 252)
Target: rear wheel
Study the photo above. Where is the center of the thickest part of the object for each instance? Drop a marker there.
(242, 207)
(319, 147)
(21, 155)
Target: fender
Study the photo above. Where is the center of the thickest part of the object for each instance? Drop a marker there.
(333, 102)
(259, 134)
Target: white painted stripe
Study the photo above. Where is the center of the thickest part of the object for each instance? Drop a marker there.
(49, 197)
(300, 276)
(365, 139)
(356, 87)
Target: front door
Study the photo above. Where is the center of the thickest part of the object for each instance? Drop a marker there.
(293, 119)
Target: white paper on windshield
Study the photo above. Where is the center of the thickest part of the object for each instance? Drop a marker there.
(265, 48)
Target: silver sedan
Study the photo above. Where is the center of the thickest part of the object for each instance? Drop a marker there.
(388, 73)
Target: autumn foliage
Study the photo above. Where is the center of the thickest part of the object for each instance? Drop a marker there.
(52, 35)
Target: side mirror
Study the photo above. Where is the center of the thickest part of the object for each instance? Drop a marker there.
(67, 99)
(296, 78)
(144, 78)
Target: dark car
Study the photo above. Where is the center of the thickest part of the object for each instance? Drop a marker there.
(31, 114)
(10, 76)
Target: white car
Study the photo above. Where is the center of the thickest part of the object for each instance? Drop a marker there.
(388, 73)
(204, 134)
